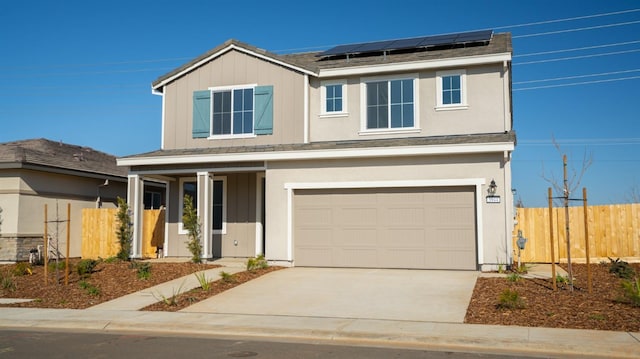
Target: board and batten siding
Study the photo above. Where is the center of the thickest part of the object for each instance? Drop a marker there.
(235, 69)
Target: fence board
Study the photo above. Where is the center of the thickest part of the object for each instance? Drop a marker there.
(99, 228)
(614, 231)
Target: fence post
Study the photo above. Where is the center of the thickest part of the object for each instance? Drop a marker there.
(553, 255)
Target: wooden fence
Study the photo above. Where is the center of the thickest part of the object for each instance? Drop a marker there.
(99, 232)
(614, 231)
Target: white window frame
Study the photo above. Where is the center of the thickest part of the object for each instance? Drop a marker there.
(390, 130)
(323, 99)
(181, 229)
(463, 105)
(231, 135)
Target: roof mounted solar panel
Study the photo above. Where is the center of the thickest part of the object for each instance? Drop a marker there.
(410, 43)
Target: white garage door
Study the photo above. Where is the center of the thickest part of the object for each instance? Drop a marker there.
(427, 228)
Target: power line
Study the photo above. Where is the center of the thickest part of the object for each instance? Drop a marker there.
(577, 29)
(568, 19)
(62, 66)
(577, 57)
(577, 49)
(577, 83)
(576, 77)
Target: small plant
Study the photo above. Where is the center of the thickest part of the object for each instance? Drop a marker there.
(562, 280)
(22, 268)
(522, 269)
(191, 224)
(56, 265)
(125, 230)
(173, 299)
(205, 284)
(257, 263)
(7, 282)
(227, 278)
(144, 270)
(631, 292)
(89, 288)
(514, 277)
(510, 299)
(621, 269)
(85, 267)
(113, 259)
(500, 268)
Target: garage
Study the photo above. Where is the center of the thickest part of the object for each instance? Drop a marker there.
(421, 228)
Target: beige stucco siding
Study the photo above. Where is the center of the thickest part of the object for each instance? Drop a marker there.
(493, 223)
(235, 69)
(28, 191)
(485, 85)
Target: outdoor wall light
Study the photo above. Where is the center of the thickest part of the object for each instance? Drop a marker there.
(492, 188)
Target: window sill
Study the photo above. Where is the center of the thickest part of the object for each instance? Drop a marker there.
(389, 131)
(231, 137)
(451, 107)
(334, 114)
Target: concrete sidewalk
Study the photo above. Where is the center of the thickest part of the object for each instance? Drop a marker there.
(366, 332)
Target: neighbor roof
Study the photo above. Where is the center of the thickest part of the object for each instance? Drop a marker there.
(44, 154)
(311, 63)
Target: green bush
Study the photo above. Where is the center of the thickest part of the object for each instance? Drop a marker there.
(205, 284)
(89, 288)
(85, 267)
(257, 263)
(227, 278)
(191, 224)
(631, 292)
(621, 269)
(510, 299)
(143, 269)
(125, 230)
(22, 268)
(514, 277)
(56, 265)
(7, 282)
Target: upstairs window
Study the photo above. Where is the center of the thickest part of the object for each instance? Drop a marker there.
(333, 98)
(231, 112)
(451, 89)
(390, 104)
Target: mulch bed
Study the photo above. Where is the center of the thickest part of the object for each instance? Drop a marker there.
(563, 308)
(186, 299)
(111, 280)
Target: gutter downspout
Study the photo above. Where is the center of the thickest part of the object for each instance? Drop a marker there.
(161, 93)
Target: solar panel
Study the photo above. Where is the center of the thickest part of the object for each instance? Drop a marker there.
(411, 43)
(374, 46)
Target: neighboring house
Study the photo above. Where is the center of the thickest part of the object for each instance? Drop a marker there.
(38, 172)
(365, 155)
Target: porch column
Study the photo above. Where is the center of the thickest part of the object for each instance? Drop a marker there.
(205, 205)
(134, 198)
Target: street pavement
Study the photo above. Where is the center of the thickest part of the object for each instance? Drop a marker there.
(358, 329)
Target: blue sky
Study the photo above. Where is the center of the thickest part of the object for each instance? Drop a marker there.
(80, 71)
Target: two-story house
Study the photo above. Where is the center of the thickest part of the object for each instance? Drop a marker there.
(379, 154)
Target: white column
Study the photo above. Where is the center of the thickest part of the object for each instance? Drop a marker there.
(205, 206)
(134, 199)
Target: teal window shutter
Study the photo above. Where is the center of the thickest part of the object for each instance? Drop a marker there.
(201, 116)
(263, 110)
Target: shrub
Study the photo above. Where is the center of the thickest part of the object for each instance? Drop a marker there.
(7, 283)
(85, 267)
(205, 284)
(257, 263)
(143, 269)
(113, 259)
(89, 288)
(514, 277)
(56, 265)
(191, 224)
(125, 230)
(621, 269)
(227, 278)
(510, 299)
(631, 292)
(22, 268)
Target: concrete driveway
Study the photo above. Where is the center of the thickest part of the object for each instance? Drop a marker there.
(413, 295)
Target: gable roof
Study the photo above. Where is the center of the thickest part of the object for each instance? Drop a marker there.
(310, 63)
(43, 154)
